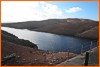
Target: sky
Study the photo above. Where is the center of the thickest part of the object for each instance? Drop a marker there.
(18, 11)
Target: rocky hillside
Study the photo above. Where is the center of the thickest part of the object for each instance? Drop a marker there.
(12, 38)
(14, 54)
(72, 26)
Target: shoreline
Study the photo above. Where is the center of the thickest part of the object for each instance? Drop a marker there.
(55, 33)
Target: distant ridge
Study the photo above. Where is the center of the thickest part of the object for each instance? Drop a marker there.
(69, 26)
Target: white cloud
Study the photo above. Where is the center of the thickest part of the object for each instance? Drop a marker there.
(15, 11)
(52, 9)
(74, 9)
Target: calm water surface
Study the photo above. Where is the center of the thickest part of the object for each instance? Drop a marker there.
(52, 42)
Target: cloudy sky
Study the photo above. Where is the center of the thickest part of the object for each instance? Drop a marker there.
(18, 11)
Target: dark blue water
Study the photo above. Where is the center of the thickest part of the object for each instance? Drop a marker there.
(52, 42)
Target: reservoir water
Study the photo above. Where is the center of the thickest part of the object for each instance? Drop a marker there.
(53, 42)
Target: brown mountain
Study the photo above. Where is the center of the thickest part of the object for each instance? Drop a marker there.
(72, 26)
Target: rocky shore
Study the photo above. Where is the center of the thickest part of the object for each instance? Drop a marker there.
(12, 38)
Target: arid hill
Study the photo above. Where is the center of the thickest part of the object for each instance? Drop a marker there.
(72, 26)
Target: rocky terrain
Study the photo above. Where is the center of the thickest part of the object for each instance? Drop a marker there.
(22, 52)
(72, 26)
